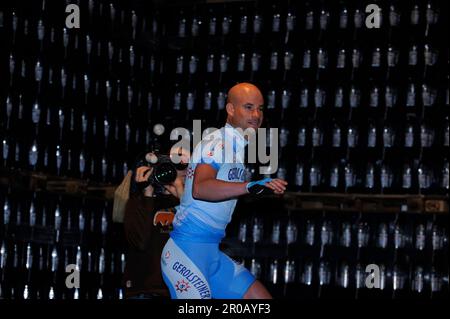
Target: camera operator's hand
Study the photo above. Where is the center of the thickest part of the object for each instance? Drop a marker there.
(142, 175)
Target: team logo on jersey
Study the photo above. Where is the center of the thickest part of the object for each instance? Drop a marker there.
(190, 173)
(182, 285)
(192, 280)
(167, 255)
(236, 173)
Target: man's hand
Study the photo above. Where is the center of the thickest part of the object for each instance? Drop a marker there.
(277, 185)
(142, 175)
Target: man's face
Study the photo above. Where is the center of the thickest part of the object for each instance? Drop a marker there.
(248, 111)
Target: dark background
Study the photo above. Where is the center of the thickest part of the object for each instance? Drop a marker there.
(90, 135)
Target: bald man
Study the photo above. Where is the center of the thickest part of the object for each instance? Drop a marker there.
(193, 267)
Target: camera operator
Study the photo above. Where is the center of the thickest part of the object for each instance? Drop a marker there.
(147, 221)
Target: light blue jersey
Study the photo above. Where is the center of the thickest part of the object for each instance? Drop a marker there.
(192, 265)
(203, 221)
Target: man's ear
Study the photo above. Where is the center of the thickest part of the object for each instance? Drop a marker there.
(230, 109)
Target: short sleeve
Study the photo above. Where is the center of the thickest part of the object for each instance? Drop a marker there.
(212, 153)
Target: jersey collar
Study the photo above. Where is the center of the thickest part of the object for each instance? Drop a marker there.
(237, 135)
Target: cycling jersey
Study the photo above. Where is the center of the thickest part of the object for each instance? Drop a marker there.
(191, 262)
(204, 221)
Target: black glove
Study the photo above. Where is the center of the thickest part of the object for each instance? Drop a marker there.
(258, 187)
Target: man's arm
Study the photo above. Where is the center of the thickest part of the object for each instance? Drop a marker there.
(140, 210)
(207, 187)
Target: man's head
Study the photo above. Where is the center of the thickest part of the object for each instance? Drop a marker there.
(245, 106)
